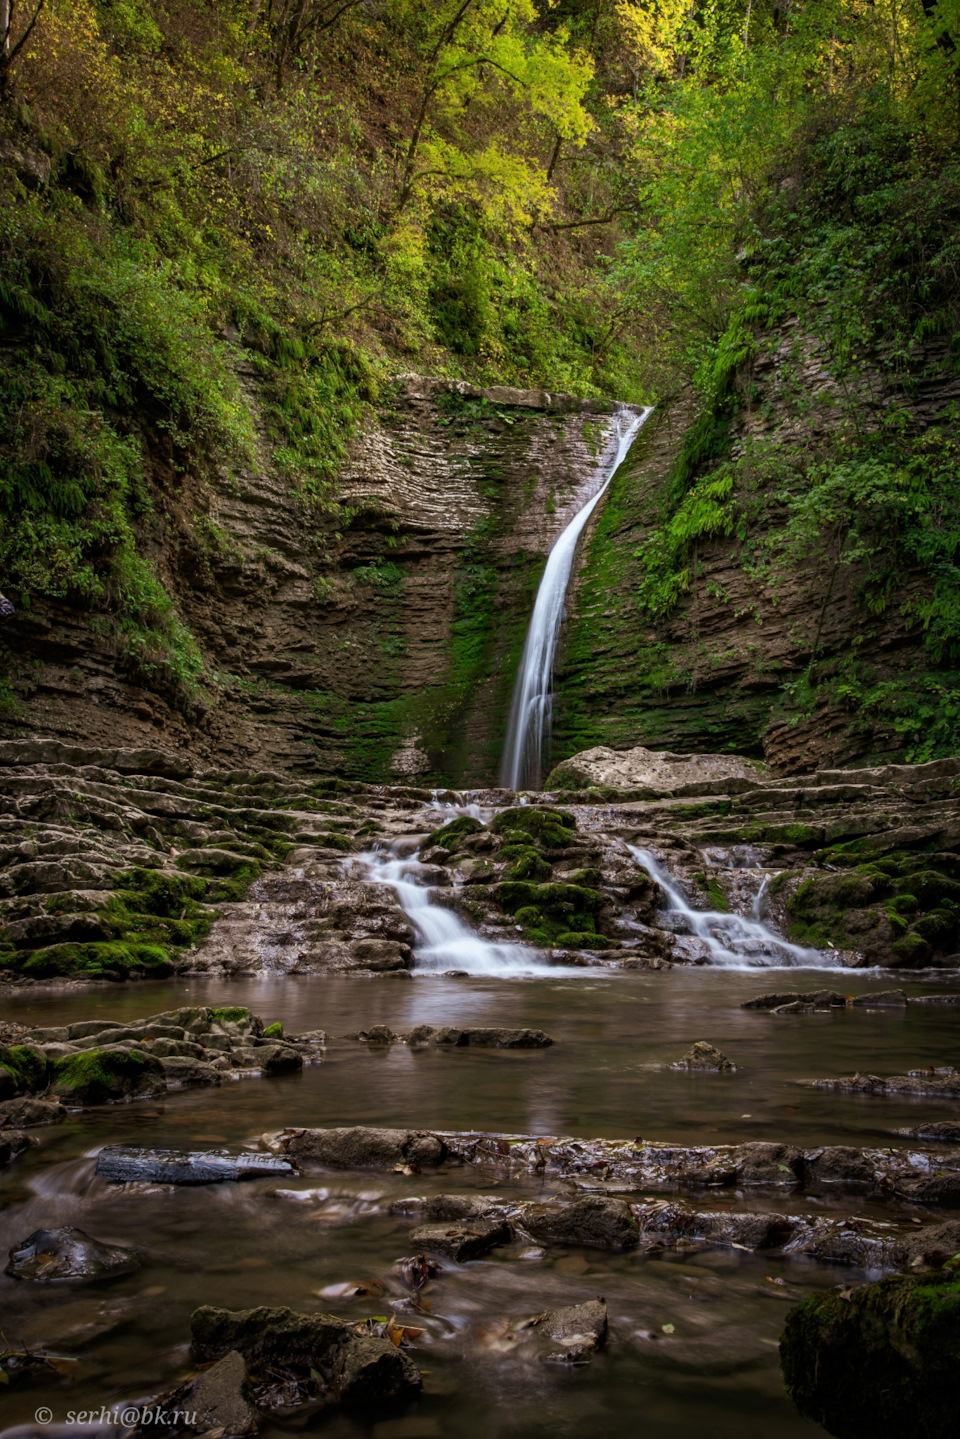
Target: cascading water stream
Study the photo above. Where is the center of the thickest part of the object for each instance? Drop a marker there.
(732, 941)
(528, 729)
(446, 942)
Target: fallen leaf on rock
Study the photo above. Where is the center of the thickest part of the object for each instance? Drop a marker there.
(668, 1328)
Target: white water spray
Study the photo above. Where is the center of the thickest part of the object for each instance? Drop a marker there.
(446, 942)
(733, 942)
(528, 730)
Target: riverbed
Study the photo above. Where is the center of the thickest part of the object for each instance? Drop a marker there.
(693, 1334)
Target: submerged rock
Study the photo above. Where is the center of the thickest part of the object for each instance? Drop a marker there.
(319, 1357)
(704, 1056)
(579, 1330)
(121, 1165)
(932, 1082)
(877, 1362)
(68, 1253)
(463, 1239)
(885, 999)
(805, 1002)
(946, 1130)
(479, 1038)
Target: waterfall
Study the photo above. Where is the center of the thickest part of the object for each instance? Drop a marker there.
(528, 730)
(733, 941)
(445, 942)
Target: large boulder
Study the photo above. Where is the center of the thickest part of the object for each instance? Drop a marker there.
(105, 1076)
(364, 1148)
(877, 1362)
(595, 1221)
(319, 1355)
(462, 1239)
(658, 771)
(217, 1400)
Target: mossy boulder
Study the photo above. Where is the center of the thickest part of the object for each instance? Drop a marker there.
(464, 824)
(102, 1076)
(526, 863)
(877, 1362)
(550, 828)
(96, 960)
(899, 910)
(23, 1070)
(548, 910)
(571, 939)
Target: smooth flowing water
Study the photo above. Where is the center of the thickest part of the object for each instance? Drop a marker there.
(286, 1242)
(732, 940)
(528, 729)
(446, 942)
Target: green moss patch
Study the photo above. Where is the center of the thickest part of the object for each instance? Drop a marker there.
(98, 1076)
(878, 1362)
(465, 824)
(23, 1070)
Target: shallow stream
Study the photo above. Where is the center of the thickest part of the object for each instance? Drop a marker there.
(240, 1245)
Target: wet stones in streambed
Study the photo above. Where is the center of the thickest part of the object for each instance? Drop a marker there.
(578, 1330)
(594, 1222)
(946, 1131)
(13, 1142)
(304, 1362)
(935, 1083)
(106, 1076)
(878, 1361)
(360, 1147)
(217, 1400)
(452, 1037)
(50, 1255)
(821, 1001)
(461, 1240)
(29, 1113)
(95, 1062)
(120, 1165)
(702, 1055)
(643, 1165)
(794, 1002)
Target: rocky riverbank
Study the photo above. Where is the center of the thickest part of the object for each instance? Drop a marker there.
(135, 863)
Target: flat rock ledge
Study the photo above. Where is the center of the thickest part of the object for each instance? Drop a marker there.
(606, 1166)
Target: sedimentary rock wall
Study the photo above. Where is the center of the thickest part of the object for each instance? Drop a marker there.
(715, 672)
(377, 639)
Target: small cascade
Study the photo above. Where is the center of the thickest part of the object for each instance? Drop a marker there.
(528, 729)
(446, 942)
(733, 941)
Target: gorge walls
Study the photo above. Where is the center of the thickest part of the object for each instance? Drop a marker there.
(377, 637)
(762, 603)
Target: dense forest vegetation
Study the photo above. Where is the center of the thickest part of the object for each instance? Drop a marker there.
(615, 198)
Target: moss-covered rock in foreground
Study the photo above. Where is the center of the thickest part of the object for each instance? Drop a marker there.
(877, 1362)
(99, 1076)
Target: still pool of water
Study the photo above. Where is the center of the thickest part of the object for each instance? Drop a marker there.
(240, 1245)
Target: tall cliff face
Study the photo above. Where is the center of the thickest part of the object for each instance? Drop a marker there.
(379, 641)
(792, 632)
